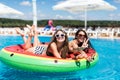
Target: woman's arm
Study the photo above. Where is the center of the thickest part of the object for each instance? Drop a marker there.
(79, 48)
(54, 49)
(84, 46)
(74, 47)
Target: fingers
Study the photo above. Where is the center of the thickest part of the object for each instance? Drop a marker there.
(86, 41)
(28, 26)
(32, 29)
(19, 31)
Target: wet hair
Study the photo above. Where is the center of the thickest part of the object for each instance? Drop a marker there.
(86, 36)
(64, 47)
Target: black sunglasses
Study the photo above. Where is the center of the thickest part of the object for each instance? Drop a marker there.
(80, 35)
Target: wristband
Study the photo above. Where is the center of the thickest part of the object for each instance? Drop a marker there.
(79, 48)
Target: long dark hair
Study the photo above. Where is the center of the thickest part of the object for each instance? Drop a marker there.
(64, 48)
(86, 36)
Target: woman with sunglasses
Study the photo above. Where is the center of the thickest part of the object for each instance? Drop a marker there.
(79, 45)
(58, 47)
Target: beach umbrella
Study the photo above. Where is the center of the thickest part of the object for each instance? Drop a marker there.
(8, 10)
(77, 6)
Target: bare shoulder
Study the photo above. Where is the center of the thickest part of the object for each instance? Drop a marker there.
(53, 44)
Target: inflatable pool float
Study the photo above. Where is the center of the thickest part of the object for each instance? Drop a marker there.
(16, 57)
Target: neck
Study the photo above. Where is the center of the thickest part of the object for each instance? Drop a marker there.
(59, 45)
(76, 41)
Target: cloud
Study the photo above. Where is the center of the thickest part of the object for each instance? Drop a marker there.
(12, 16)
(64, 17)
(119, 14)
(41, 16)
(58, 16)
(111, 15)
(28, 16)
(70, 17)
(25, 3)
(117, 1)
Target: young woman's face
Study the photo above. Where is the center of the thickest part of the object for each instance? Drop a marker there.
(81, 36)
(60, 36)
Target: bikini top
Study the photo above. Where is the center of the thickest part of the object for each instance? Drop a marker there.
(49, 54)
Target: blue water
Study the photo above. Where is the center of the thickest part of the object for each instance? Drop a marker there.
(107, 68)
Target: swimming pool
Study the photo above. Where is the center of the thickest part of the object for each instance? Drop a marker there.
(108, 67)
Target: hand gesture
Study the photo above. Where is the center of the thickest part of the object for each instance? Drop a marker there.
(85, 43)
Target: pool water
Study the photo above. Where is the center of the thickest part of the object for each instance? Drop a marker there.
(107, 68)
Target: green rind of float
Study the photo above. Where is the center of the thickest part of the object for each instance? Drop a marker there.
(43, 65)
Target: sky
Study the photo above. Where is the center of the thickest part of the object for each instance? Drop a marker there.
(45, 11)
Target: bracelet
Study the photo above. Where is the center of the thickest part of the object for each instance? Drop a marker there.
(79, 48)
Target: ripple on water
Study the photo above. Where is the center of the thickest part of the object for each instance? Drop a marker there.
(13, 74)
(107, 68)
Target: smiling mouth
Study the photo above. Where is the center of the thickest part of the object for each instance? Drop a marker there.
(81, 39)
(60, 38)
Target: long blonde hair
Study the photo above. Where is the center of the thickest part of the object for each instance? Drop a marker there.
(64, 48)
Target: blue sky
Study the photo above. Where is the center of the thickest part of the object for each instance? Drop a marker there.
(45, 11)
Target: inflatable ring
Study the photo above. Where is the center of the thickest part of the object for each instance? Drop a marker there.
(16, 57)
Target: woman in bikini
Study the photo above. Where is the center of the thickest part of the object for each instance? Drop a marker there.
(58, 47)
(79, 45)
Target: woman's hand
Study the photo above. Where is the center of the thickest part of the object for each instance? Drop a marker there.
(85, 43)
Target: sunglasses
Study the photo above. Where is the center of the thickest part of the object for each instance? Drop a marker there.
(80, 35)
(59, 35)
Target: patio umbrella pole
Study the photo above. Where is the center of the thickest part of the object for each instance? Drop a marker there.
(34, 13)
(85, 19)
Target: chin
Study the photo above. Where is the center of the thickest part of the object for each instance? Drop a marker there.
(61, 41)
(80, 40)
